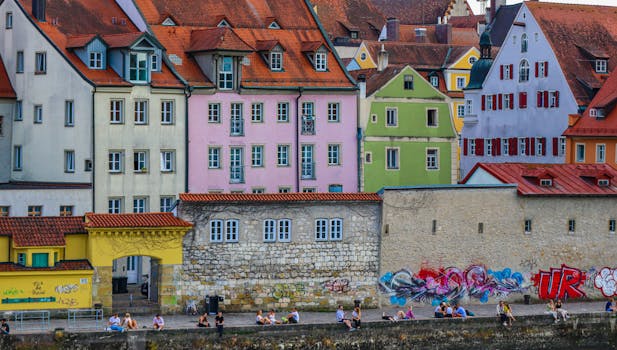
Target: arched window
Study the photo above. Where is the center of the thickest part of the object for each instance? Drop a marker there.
(524, 43)
(523, 71)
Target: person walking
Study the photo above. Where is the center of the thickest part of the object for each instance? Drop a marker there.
(219, 321)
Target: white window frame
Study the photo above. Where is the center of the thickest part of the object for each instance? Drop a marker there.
(216, 230)
(257, 156)
(542, 69)
(141, 112)
(257, 112)
(140, 204)
(95, 60)
(321, 229)
(115, 160)
(17, 158)
(333, 112)
(116, 111)
(336, 229)
(236, 127)
(321, 61)
(167, 112)
(505, 147)
(460, 111)
(524, 43)
(408, 82)
(522, 146)
(539, 146)
(489, 102)
(391, 117)
(284, 189)
(562, 146)
(140, 161)
(488, 147)
(214, 112)
(506, 72)
(506, 101)
(282, 155)
(135, 68)
(600, 153)
(432, 159)
(601, 66)
(460, 83)
(154, 63)
(38, 114)
(40, 62)
(523, 71)
(276, 61)
(69, 161)
(468, 107)
(334, 154)
(392, 158)
(168, 159)
(284, 230)
(435, 81)
(114, 205)
(571, 226)
(226, 73)
(69, 113)
(214, 157)
(166, 203)
(269, 230)
(9, 20)
(282, 112)
(472, 147)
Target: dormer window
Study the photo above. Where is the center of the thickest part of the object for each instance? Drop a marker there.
(96, 60)
(604, 182)
(353, 34)
(226, 74)
(276, 61)
(321, 61)
(138, 66)
(223, 23)
(274, 25)
(601, 66)
(168, 22)
(435, 81)
(546, 182)
(593, 112)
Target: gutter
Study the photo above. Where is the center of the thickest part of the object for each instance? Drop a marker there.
(306, 88)
(298, 149)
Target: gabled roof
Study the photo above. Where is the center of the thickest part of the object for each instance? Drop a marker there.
(93, 220)
(415, 11)
(500, 25)
(460, 36)
(568, 179)
(418, 56)
(470, 21)
(6, 89)
(217, 39)
(592, 126)
(341, 16)
(570, 27)
(312, 46)
(375, 79)
(279, 197)
(40, 231)
(64, 265)
(266, 45)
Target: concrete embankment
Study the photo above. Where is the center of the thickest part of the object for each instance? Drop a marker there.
(583, 331)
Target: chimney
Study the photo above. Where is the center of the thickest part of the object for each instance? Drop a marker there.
(420, 35)
(493, 10)
(443, 32)
(38, 10)
(382, 59)
(362, 85)
(393, 29)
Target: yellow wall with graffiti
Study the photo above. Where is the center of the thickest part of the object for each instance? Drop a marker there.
(76, 246)
(60, 289)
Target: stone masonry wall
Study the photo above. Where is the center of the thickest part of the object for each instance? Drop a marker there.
(253, 274)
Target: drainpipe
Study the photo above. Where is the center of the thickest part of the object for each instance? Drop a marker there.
(187, 94)
(93, 153)
(298, 130)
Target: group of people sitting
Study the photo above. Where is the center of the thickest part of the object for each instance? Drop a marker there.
(556, 309)
(117, 325)
(445, 310)
(356, 318)
(270, 319)
(400, 315)
(504, 311)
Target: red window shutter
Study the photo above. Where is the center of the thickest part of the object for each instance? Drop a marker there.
(527, 146)
(532, 150)
(543, 143)
(556, 98)
(537, 69)
(511, 101)
(545, 99)
(513, 146)
(500, 97)
(483, 102)
(497, 146)
(522, 100)
(465, 144)
(555, 146)
(511, 71)
(495, 102)
(539, 99)
(479, 147)
(501, 72)
(546, 68)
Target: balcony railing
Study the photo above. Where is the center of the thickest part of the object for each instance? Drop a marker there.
(237, 127)
(308, 171)
(308, 125)
(236, 174)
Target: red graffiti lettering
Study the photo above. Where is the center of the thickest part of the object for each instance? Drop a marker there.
(560, 283)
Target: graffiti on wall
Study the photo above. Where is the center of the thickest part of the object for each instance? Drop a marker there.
(67, 288)
(12, 291)
(291, 290)
(606, 281)
(560, 283)
(337, 285)
(433, 285)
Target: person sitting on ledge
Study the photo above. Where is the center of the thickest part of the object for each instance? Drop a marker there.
(158, 323)
(340, 318)
(129, 322)
(293, 316)
(203, 321)
(440, 310)
(389, 317)
(459, 311)
(260, 320)
(272, 317)
(114, 323)
(610, 306)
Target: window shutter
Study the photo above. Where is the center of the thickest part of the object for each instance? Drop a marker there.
(500, 97)
(501, 72)
(537, 69)
(545, 99)
(497, 147)
(539, 99)
(513, 149)
(495, 102)
(511, 101)
(483, 102)
(527, 146)
(556, 98)
(555, 146)
(543, 143)
(479, 147)
(465, 144)
(546, 68)
(532, 149)
(522, 100)
(511, 71)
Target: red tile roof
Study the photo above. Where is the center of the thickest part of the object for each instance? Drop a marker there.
(592, 126)
(217, 39)
(6, 89)
(40, 231)
(418, 56)
(466, 21)
(460, 36)
(64, 265)
(340, 16)
(93, 220)
(415, 11)
(572, 27)
(280, 197)
(568, 179)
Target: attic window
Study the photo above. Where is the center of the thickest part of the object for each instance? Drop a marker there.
(274, 25)
(363, 56)
(168, 22)
(472, 60)
(593, 112)
(546, 182)
(353, 34)
(603, 182)
(321, 61)
(223, 23)
(601, 66)
(276, 61)
(96, 60)
(408, 82)
(435, 81)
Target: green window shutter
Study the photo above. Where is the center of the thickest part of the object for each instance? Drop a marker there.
(40, 259)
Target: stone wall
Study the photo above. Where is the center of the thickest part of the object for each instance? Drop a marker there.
(253, 274)
(471, 243)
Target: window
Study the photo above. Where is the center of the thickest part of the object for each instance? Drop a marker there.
(391, 117)
(115, 160)
(611, 226)
(9, 20)
(507, 101)
(284, 189)
(40, 63)
(373, 118)
(435, 81)
(432, 159)
(539, 146)
(562, 146)
(468, 107)
(236, 165)
(472, 146)
(69, 161)
(269, 230)
(507, 73)
(96, 60)
(282, 155)
(335, 188)
(38, 114)
(167, 203)
(308, 118)
(167, 112)
(431, 117)
(368, 157)
(214, 112)
(282, 112)
(18, 111)
(257, 156)
(66, 210)
(19, 65)
(505, 147)
(522, 146)
(276, 61)
(154, 63)
(542, 69)
(321, 62)
(528, 226)
(140, 161)
(258, 190)
(140, 204)
(167, 161)
(114, 205)
(571, 226)
(284, 230)
(141, 112)
(580, 152)
(321, 229)
(546, 182)
(553, 99)
(488, 147)
(214, 157)
(237, 122)
(35, 210)
(5, 211)
(524, 42)
(604, 182)
(21, 259)
(308, 164)
(460, 83)
(600, 153)
(17, 158)
(392, 158)
(408, 82)
(333, 112)
(308, 109)
(116, 111)
(460, 111)
(257, 112)
(336, 229)
(601, 66)
(472, 60)
(216, 230)
(69, 113)
(231, 230)
(40, 259)
(309, 190)
(226, 75)
(138, 66)
(523, 71)
(334, 155)
(1, 125)
(489, 102)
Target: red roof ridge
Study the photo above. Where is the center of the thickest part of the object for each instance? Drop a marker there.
(103, 220)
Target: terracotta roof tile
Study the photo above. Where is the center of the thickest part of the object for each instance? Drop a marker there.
(211, 39)
(471, 21)
(415, 11)
(417, 55)
(266, 45)
(75, 41)
(568, 179)
(93, 220)
(40, 231)
(280, 197)
(121, 40)
(340, 16)
(64, 265)
(6, 89)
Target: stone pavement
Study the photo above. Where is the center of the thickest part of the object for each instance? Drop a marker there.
(368, 315)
